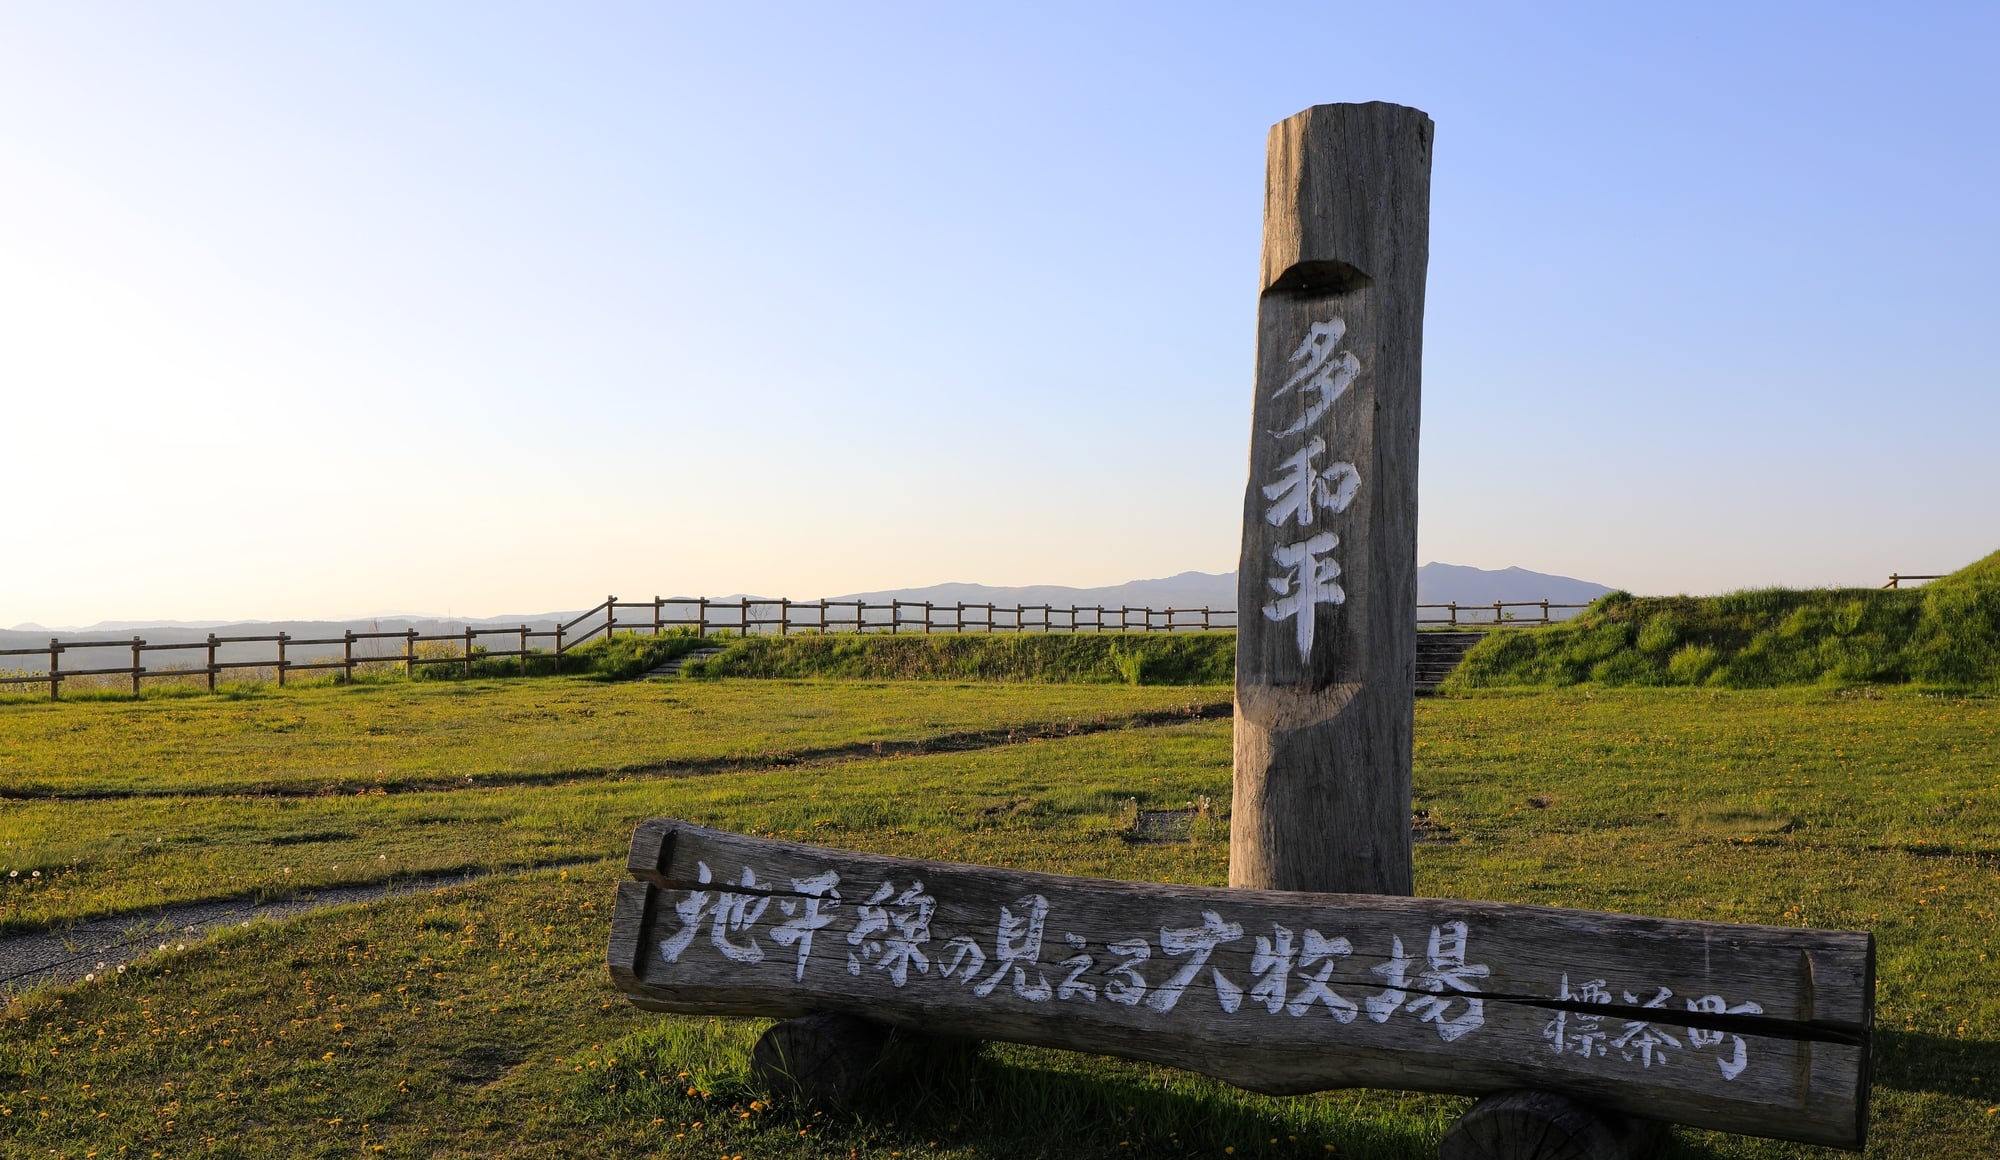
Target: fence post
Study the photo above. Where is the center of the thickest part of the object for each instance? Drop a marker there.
(743, 614)
(610, 617)
(347, 656)
(784, 615)
(656, 614)
(524, 650)
(136, 643)
(559, 647)
(282, 637)
(410, 653)
(211, 662)
(1454, 613)
(468, 650)
(55, 669)
(1545, 610)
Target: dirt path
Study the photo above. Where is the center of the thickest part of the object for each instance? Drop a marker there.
(958, 742)
(38, 958)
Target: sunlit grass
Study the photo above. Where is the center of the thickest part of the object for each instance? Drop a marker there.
(404, 735)
(1793, 807)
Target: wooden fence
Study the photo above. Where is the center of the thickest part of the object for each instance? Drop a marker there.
(290, 654)
(1898, 579)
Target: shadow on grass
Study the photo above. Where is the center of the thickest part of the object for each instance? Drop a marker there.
(995, 1100)
(1916, 1062)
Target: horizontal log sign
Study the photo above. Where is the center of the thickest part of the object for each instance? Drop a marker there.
(1753, 1029)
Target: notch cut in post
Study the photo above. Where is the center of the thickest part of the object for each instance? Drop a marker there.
(1327, 588)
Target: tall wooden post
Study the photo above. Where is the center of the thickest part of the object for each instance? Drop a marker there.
(1327, 584)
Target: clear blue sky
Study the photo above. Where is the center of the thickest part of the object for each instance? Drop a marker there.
(329, 309)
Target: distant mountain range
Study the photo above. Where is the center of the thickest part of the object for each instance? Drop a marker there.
(1445, 583)
(1436, 584)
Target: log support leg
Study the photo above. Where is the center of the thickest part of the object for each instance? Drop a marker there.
(820, 1059)
(1544, 1125)
(826, 1060)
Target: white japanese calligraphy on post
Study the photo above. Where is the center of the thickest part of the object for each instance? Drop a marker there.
(1642, 1041)
(1022, 953)
(1309, 576)
(1290, 972)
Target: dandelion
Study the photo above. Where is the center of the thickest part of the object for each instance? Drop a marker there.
(121, 968)
(36, 874)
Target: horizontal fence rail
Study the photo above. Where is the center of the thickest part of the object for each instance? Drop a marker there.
(744, 616)
(1497, 614)
(1898, 579)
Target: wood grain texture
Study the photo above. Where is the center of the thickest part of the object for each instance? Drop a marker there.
(1760, 1030)
(822, 1059)
(1327, 582)
(1540, 1125)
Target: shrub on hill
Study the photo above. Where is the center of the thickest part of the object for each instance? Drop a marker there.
(1179, 658)
(1946, 633)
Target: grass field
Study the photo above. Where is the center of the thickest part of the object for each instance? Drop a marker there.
(477, 1021)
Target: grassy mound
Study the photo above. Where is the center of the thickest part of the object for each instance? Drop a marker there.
(1945, 634)
(1179, 658)
(616, 658)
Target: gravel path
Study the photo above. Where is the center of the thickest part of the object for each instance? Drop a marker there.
(107, 944)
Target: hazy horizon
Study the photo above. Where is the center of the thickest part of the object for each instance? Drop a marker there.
(317, 307)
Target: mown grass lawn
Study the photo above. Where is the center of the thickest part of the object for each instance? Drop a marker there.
(446, 734)
(477, 1020)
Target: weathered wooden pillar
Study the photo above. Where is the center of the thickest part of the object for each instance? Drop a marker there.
(1327, 584)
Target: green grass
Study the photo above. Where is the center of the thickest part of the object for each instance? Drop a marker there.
(477, 1020)
(1134, 658)
(418, 734)
(1944, 635)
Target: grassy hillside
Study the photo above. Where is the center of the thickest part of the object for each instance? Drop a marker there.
(1177, 658)
(1945, 634)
